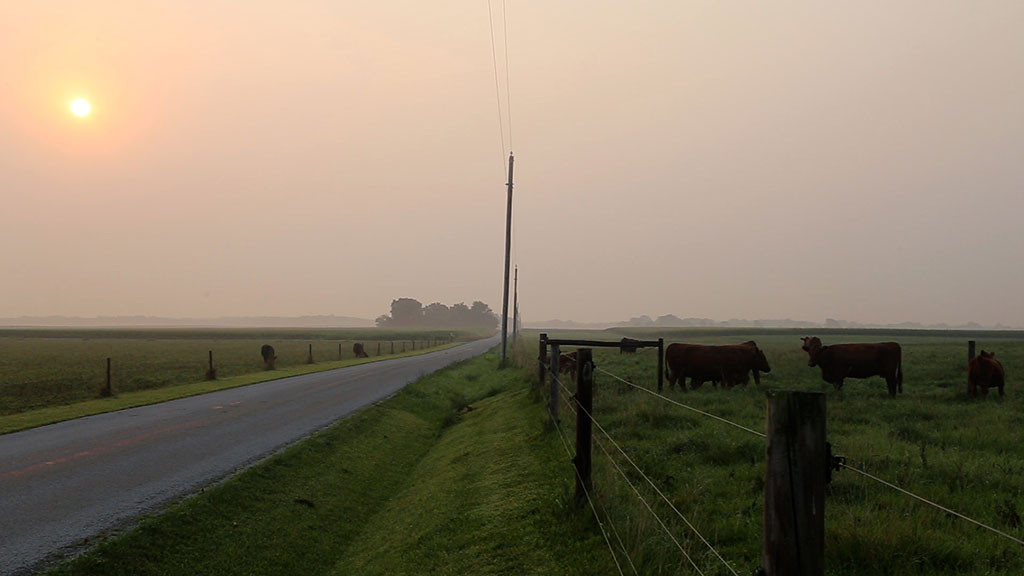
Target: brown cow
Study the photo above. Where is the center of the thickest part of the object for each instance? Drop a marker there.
(984, 371)
(730, 364)
(567, 364)
(628, 345)
(841, 361)
(359, 351)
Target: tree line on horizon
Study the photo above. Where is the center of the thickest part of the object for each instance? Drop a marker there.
(411, 313)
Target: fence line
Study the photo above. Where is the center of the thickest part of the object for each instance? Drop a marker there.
(929, 502)
(656, 489)
(572, 408)
(681, 405)
(842, 464)
(600, 524)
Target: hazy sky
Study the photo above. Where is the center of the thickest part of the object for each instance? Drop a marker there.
(855, 160)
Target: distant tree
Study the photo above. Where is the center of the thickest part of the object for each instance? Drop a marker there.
(483, 317)
(406, 312)
(437, 315)
(383, 320)
(409, 313)
(461, 316)
(668, 320)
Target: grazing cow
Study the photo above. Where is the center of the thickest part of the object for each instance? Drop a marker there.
(269, 357)
(841, 361)
(730, 364)
(359, 351)
(628, 345)
(984, 371)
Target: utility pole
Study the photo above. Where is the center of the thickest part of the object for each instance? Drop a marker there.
(508, 248)
(515, 307)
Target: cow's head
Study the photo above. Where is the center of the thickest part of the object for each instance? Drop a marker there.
(812, 345)
(762, 361)
(987, 354)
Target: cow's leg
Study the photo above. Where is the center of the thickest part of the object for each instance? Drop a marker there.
(757, 377)
(1001, 388)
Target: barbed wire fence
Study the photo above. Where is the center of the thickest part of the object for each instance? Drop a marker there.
(834, 463)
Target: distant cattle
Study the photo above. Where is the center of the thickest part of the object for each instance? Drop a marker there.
(359, 351)
(983, 372)
(269, 357)
(567, 363)
(841, 361)
(730, 364)
(628, 345)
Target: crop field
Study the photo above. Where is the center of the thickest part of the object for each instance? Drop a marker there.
(50, 367)
(932, 440)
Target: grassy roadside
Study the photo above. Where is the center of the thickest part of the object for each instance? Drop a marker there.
(43, 416)
(453, 475)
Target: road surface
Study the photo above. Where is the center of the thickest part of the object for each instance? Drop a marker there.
(63, 483)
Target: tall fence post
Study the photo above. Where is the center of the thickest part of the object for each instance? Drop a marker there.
(339, 350)
(392, 346)
(970, 356)
(107, 391)
(794, 492)
(542, 359)
(661, 364)
(584, 427)
(309, 359)
(553, 389)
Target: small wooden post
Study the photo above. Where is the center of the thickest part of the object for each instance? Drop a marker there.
(794, 492)
(339, 350)
(553, 388)
(970, 356)
(309, 359)
(211, 373)
(542, 359)
(378, 348)
(107, 391)
(584, 427)
(392, 346)
(403, 346)
(661, 364)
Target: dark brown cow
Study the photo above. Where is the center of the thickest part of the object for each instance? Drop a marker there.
(730, 364)
(984, 371)
(359, 351)
(628, 345)
(269, 356)
(841, 361)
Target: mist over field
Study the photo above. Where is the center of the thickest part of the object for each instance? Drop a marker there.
(813, 161)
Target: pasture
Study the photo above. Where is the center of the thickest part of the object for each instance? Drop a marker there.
(932, 440)
(41, 368)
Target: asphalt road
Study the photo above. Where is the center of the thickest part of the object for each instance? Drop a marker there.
(64, 483)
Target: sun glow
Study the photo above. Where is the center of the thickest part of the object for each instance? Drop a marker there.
(80, 107)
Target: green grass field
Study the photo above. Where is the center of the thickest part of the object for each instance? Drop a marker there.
(54, 368)
(932, 440)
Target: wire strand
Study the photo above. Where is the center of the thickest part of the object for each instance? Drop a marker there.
(681, 405)
(508, 73)
(497, 89)
(600, 524)
(929, 502)
(654, 486)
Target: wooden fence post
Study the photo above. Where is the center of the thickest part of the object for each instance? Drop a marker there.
(794, 492)
(378, 348)
(584, 427)
(107, 391)
(211, 373)
(542, 359)
(309, 359)
(403, 346)
(553, 389)
(392, 346)
(970, 356)
(661, 364)
(339, 350)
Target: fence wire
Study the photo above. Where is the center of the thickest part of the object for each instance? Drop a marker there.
(681, 405)
(656, 489)
(844, 465)
(600, 524)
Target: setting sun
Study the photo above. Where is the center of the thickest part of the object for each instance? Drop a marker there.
(80, 107)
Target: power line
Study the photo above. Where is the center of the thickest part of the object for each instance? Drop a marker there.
(497, 89)
(508, 73)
